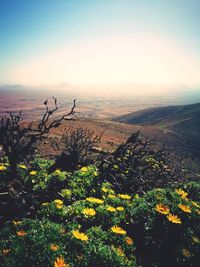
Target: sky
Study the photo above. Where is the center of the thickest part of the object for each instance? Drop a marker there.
(99, 42)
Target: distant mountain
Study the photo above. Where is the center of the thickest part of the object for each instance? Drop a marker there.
(183, 120)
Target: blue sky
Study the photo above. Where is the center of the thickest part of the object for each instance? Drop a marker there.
(101, 41)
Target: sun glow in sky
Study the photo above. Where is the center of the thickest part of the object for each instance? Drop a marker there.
(99, 42)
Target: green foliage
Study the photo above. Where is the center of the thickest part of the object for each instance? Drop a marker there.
(39, 243)
(193, 188)
(40, 164)
(70, 186)
(29, 242)
(84, 182)
(87, 221)
(137, 166)
(160, 241)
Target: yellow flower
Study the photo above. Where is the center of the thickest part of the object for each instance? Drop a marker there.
(54, 247)
(195, 239)
(60, 262)
(5, 252)
(22, 166)
(95, 173)
(182, 193)
(59, 206)
(129, 240)
(21, 233)
(185, 208)
(194, 203)
(123, 196)
(58, 171)
(174, 218)
(45, 203)
(111, 196)
(105, 190)
(84, 169)
(2, 168)
(16, 222)
(58, 201)
(186, 253)
(94, 200)
(79, 235)
(118, 230)
(89, 212)
(120, 208)
(111, 209)
(33, 173)
(162, 208)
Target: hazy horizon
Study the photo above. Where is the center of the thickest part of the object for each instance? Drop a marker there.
(149, 95)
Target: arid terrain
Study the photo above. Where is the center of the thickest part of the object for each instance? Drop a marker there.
(94, 103)
(97, 113)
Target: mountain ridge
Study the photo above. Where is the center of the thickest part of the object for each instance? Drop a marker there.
(183, 120)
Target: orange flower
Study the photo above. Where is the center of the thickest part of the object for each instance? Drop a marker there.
(186, 253)
(5, 252)
(120, 252)
(198, 212)
(129, 240)
(60, 262)
(162, 209)
(174, 218)
(185, 208)
(54, 247)
(195, 204)
(21, 233)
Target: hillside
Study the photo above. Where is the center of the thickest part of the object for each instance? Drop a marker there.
(117, 133)
(80, 209)
(83, 210)
(182, 120)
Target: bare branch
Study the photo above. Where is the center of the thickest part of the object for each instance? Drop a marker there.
(19, 140)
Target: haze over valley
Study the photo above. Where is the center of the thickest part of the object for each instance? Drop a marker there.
(104, 101)
(169, 116)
